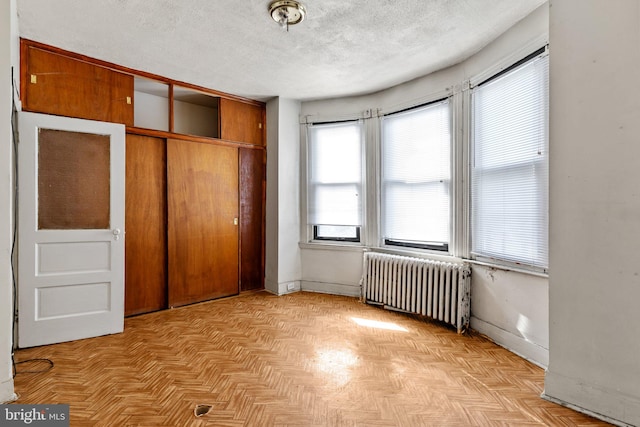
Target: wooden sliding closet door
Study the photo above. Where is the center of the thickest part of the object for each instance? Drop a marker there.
(252, 171)
(146, 225)
(202, 185)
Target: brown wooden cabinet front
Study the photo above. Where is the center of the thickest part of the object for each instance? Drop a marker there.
(57, 84)
(202, 185)
(242, 122)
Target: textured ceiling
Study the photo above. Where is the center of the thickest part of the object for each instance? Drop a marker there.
(342, 48)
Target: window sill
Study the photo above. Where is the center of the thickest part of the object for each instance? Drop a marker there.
(497, 266)
(333, 246)
(416, 253)
(337, 246)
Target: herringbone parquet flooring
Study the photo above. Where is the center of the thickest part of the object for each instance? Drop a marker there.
(295, 360)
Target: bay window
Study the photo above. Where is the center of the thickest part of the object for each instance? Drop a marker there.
(411, 191)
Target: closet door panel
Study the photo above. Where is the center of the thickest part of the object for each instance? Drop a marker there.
(146, 225)
(252, 174)
(202, 186)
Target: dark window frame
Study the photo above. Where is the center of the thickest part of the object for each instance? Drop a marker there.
(336, 238)
(432, 246)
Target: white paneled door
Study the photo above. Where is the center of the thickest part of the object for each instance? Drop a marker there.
(71, 229)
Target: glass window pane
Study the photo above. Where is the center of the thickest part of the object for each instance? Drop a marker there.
(416, 170)
(73, 180)
(335, 174)
(509, 191)
(337, 232)
(418, 212)
(335, 204)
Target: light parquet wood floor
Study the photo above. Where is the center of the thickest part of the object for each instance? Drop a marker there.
(295, 360)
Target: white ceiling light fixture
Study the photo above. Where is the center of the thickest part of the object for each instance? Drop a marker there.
(287, 12)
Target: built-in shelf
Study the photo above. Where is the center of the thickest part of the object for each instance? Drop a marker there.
(151, 104)
(195, 113)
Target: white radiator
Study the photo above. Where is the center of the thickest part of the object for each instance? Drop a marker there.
(440, 290)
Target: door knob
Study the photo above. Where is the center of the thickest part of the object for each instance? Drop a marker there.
(116, 233)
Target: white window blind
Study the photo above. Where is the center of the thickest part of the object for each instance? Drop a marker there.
(509, 191)
(335, 175)
(416, 176)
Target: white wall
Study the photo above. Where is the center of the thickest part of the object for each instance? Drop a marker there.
(272, 202)
(513, 309)
(289, 267)
(8, 57)
(334, 271)
(283, 268)
(152, 112)
(594, 247)
(509, 307)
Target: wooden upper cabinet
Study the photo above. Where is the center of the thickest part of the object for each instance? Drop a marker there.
(64, 86)
(242, 122)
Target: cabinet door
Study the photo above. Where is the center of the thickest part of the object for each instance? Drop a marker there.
(202, 185)
(146, 225)
(252, 174)
(241, 122)
(63, 86)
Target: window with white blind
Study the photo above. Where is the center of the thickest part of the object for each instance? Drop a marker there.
(509, 190)
(416, 177)
(335, 181)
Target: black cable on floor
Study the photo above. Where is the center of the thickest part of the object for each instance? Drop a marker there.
(14, 138)
(49, 366)
(14, 241)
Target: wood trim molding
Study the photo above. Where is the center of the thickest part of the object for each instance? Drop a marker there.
(171, 109)
(204, 139)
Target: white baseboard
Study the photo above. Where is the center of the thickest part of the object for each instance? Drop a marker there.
(7, 393)
(604, 403)
(271, 287)
(288, 287)
(516, 344)
(348, 290)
